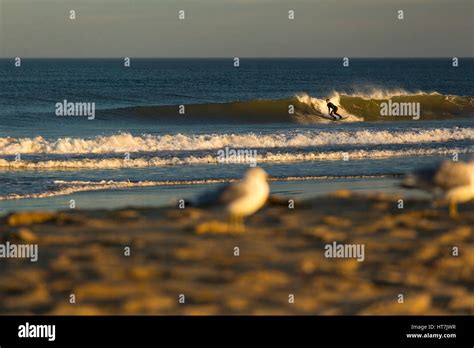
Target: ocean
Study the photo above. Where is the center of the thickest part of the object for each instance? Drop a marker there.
(159, 126)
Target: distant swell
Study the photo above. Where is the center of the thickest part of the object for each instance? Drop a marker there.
(267, 157)
(303, 109)
(125, 142)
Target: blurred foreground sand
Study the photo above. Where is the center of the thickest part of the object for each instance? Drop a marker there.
(191, 252)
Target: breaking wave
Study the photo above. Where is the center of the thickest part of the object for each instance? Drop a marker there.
(126, 142)
(267, 157)
(304, 109)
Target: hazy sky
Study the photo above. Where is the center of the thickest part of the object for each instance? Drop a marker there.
(236, 28)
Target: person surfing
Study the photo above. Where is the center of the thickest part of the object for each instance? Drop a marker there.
(332, 109)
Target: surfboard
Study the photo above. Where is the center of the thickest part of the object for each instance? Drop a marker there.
(332, 119)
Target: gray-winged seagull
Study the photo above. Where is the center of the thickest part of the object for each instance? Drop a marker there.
(242, 198)
(453, 181)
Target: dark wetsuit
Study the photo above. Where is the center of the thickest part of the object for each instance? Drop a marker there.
(333, 110)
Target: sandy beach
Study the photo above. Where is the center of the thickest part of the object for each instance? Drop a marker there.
(281, 267)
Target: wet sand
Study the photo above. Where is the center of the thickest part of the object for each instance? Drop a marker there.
(191, 251)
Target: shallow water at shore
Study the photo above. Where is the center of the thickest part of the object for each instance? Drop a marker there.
(165, 195)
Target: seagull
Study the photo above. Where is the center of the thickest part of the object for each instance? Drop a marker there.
(453, 181)
(242, 198)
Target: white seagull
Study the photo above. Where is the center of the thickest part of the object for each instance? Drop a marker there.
(452, 181)
(242, 198)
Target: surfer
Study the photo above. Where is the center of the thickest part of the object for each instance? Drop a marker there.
(332, 109)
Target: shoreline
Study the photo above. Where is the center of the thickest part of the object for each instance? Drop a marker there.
(141, 194)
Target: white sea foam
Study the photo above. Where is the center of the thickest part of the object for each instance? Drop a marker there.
(320, 105)
(126, 142)
(368, 94)
(267, 157)
(380, 93)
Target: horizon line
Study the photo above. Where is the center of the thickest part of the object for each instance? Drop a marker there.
(247, 57)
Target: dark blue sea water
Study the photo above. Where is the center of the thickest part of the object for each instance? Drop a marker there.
(138, 139)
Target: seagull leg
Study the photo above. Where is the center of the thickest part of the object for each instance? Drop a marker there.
(240, 224)
(235, 223)
(230, 223)
(453, 209)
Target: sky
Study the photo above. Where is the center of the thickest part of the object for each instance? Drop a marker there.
(236, 28)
